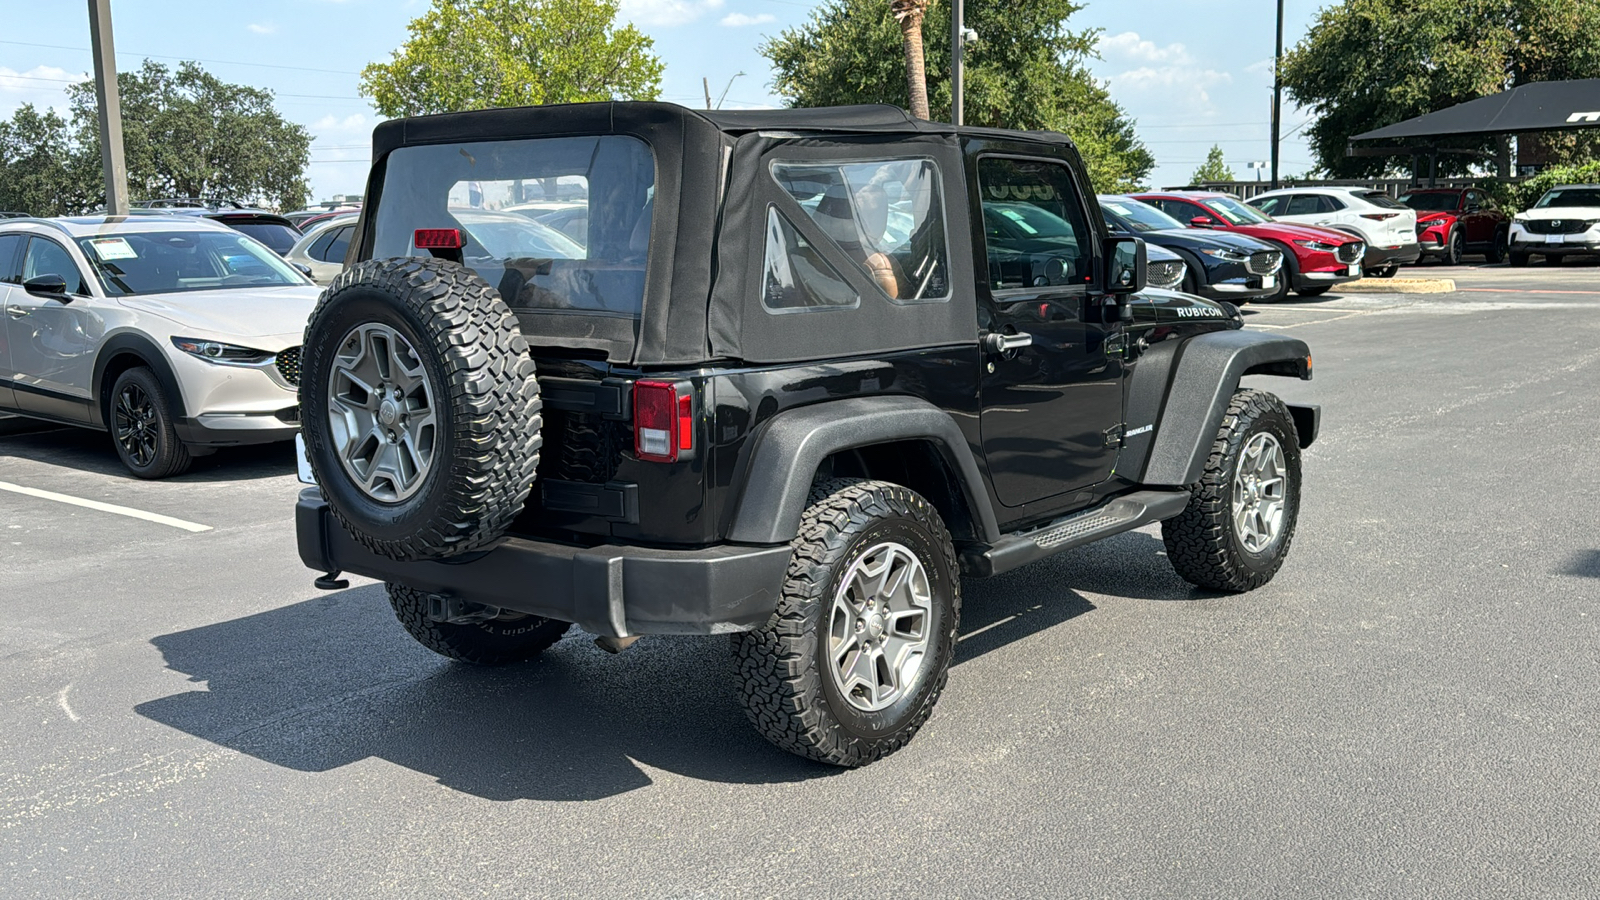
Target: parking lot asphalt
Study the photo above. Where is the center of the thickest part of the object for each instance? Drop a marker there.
(1409, 710)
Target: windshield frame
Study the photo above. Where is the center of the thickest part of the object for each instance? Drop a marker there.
(1141, 227)
(1228, 209)
(109, 281)
(1592, 192)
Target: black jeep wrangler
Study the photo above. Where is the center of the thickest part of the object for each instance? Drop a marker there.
(784, 375)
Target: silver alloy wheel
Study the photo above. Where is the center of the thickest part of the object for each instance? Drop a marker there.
(879, 627)
(1260, 487)
(381, 414)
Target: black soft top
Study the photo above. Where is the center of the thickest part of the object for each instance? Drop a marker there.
(700, 271)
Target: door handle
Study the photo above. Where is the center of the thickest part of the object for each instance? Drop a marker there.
(996, 342)
(16, 312)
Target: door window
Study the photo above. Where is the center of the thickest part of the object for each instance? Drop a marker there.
(1272, 206)
(10, 244)
(1329, 204)
(46, 257)
(885, 214)
(1033, 224)
(1303, 205)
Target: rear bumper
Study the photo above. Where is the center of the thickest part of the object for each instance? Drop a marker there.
(1378, 257)
(607, 590)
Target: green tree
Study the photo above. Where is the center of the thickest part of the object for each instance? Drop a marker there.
(1213, 169)
(481, 54)
(187, 133)
(42, 171)
(1369, 63)
(1026, 72)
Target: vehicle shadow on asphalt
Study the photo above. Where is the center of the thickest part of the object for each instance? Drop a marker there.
(1584, 564)
(327, 682)
(91, 451)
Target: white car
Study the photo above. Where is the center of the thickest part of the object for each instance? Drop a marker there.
(1388, 227)
(1565, 221)
(320, 251)
(176, 334)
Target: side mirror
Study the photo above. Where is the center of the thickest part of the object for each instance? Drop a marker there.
(1202, 222)
(302, 268)
(1125, 265)
(47, 286)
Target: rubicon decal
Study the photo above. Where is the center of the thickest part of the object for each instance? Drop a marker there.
(1199, 312)
(1584, 117)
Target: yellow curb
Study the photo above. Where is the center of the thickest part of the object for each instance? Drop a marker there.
(1398, 286)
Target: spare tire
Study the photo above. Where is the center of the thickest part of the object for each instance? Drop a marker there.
(419, 407)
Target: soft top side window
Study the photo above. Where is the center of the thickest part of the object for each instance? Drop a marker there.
(886, 215)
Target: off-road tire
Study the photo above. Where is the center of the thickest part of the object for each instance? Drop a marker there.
(171, 457)
(1517, 260)
(789, 698)
(1201, 543)
(500, 641)
(1313, 291)
(486, 400)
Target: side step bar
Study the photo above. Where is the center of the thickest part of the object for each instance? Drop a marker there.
(1122, 514)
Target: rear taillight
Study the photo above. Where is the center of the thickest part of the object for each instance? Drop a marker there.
(663, 421)
(1378, 217)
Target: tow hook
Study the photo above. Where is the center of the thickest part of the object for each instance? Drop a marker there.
(331, 582)
(615, 645)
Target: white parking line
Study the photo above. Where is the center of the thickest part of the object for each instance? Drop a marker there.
(103, 507)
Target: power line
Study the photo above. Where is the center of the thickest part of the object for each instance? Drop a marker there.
(220, 62)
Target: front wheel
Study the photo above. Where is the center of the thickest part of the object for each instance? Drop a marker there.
(1497, 249)
(142, 428)
(1236, 530)
(505, 639)
(853, 660)
(1453, 249)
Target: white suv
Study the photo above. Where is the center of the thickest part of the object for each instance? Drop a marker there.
(1565, 221)
(1388, 227)
(176, 334)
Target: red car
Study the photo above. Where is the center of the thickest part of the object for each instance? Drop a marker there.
(1453, 221)
(1314, 259)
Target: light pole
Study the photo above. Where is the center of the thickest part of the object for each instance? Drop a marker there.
(957, 62)
(1277, 95)
(105, 88)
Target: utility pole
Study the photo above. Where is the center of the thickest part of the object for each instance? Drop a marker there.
(958, 40)
(1277, 96)
(705, 82)
(105, 88)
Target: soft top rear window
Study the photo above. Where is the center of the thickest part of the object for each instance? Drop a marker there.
(515, 203)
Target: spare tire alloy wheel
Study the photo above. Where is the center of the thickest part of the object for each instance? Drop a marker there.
(381, 416)
(420, 408)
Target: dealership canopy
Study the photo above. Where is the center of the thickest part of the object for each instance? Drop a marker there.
(1545, 106)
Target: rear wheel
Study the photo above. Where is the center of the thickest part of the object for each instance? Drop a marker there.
(1497, 250)
(1383, 271)
(1236, 530)
(505, 639)
(142, 428)
(856, 655)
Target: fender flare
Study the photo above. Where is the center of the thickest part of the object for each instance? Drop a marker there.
(1183, 389)
(794, 444)
(145, 349)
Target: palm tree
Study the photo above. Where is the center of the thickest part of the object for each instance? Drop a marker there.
(909, 13)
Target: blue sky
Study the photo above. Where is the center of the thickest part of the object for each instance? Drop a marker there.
(1191, 72)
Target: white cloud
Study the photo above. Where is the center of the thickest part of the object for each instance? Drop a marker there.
(740, 20)
(263, 28)
(1170, 70)
(40, 85)
(666, 12)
